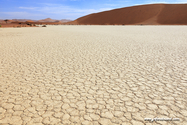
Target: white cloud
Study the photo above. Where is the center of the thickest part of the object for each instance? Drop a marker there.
(166, 1)
(28, 8)
(162, 1)
(61, 10)
(182, 1)
(19, 15)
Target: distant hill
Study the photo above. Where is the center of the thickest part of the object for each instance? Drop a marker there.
(3, 22)
(23, 20)
(64, 20)
(53, 20)
(47, 20)
(150, 14)
(31, 23)
(29, 20)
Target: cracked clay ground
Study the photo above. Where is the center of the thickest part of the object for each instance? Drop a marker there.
(91, 75)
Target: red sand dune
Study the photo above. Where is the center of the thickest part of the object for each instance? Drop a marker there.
(47, 20)
(151, 14)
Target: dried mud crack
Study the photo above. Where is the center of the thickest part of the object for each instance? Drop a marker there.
(93, 75)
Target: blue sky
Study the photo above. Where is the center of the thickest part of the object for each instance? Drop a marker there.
(65, 9)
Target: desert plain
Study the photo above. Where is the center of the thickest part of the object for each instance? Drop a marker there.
(91, 75)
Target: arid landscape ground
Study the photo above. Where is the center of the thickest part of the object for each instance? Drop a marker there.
(91, 75)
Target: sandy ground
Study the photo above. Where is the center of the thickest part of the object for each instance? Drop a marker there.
(93, 75)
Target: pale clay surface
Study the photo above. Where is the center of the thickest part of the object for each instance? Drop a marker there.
(91, 75)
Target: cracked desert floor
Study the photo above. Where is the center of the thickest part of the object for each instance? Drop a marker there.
(91, 75)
